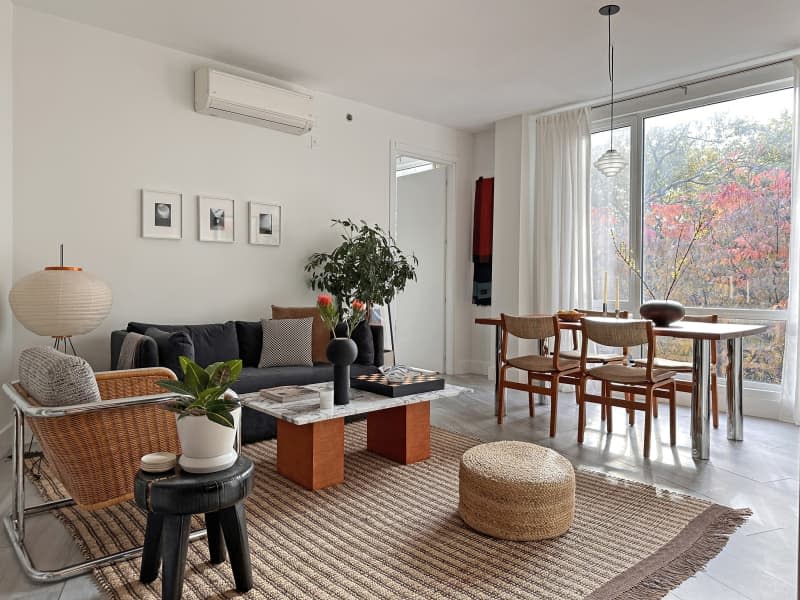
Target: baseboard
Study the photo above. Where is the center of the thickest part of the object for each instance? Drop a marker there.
(474, 367)
(757, 402)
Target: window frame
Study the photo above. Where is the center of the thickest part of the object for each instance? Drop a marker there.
(635, 120)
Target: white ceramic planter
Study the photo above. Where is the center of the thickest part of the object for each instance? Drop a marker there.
(207, 446)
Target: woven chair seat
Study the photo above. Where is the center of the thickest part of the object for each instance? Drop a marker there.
(591, 358)
(623, 374)
(516, 491)
(541, 364)
(678, 366)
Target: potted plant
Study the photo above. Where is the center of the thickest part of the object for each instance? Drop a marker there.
(367, 265)
(341, 351)
(207, 414)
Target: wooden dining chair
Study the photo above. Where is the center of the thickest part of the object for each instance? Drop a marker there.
(544, 369)
(616, 377)
(680, 366)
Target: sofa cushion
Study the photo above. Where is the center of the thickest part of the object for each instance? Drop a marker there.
(286, 343)
(171, 345)
(53, 378)
(146, 351)
(320, 334)
(250, 337)
(213, 342)
(362, 336)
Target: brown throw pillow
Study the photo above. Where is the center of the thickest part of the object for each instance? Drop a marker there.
(320, 334)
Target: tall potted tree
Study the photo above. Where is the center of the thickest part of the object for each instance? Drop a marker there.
(367, 265)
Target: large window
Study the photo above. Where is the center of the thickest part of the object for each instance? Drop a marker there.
(714, 202)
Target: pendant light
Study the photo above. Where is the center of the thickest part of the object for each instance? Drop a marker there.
(612, 162)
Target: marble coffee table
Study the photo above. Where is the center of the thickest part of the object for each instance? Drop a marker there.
(311, 440)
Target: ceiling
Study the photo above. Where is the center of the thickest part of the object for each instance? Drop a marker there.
(462, 63)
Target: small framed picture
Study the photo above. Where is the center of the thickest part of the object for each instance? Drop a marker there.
(215, 219)
(162, 215)
(265, 224)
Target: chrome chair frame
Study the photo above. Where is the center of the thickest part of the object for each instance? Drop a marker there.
(14, 522)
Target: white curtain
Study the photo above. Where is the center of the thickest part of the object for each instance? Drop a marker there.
(790, 397)
(561, 218)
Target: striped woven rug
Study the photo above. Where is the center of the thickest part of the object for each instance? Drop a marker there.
(393, 531)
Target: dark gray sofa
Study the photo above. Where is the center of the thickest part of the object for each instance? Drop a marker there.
(242, 339)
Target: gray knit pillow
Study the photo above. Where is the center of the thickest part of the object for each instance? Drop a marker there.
(53, 378)
(287, 343)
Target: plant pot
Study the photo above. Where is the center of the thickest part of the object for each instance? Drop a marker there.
(342, 352)
(207, 446)
(662, 312)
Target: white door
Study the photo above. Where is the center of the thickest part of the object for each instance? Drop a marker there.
(419, 309)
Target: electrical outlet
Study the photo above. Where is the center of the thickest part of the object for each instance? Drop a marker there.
(313, 141)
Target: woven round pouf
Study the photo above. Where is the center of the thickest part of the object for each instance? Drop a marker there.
(516, 491)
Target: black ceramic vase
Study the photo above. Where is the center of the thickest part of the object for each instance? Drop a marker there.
(342, 352)
(662, 312)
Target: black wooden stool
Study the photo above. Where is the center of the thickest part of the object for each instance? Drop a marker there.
(171, 499)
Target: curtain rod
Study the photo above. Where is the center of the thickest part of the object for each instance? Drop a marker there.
(684, 86)
(755, 63)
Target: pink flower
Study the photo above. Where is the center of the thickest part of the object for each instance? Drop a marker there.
(324, 300)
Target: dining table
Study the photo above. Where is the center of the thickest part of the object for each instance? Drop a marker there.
(702, 336)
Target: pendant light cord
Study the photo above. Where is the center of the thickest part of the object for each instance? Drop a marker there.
(611, 78)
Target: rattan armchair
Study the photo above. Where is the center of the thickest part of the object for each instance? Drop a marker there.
(616, 377)
(93, 448)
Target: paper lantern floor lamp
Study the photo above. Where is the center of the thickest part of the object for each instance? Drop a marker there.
(60, 302)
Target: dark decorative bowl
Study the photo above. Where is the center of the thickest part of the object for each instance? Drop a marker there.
(662, 312)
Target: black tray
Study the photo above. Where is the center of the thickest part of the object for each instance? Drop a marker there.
(412, 384)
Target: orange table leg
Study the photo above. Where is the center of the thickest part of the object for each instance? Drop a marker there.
(402, 433)
(312, 455)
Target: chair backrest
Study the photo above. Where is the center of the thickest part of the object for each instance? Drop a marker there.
(530, 327)
(618, 333)
(533, 327)
(623, 314)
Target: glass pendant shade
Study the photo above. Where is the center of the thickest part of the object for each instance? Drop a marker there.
(60, 301)
(611, 163)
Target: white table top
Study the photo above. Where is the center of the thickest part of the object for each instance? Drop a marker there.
(303, 412)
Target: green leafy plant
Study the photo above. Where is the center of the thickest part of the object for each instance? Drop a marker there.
(202, 391)
(367, 265)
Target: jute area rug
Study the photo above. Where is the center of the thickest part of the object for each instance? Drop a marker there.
(393, 531)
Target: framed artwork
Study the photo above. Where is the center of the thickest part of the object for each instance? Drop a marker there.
(162, 215)
(265, 224)
(215, 219)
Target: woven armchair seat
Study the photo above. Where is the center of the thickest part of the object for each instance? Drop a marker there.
(623, 374)
(591, 358)
(678, 366)
(516, 491)
(541, 364)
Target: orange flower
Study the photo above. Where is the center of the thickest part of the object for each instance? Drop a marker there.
(358, 305)
(324, 300)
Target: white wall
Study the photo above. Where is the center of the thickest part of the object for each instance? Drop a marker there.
(99, 116)
(482, 338)
(6, 208)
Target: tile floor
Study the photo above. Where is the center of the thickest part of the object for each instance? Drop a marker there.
(759, 562)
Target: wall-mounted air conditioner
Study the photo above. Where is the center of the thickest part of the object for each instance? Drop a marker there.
(233, 97)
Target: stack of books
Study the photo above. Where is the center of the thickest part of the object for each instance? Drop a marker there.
(289, 393)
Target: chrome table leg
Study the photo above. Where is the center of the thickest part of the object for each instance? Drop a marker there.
(734, 390)
(701, 391)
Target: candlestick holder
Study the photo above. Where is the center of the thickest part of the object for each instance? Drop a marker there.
(605, 309)
(616, 313)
